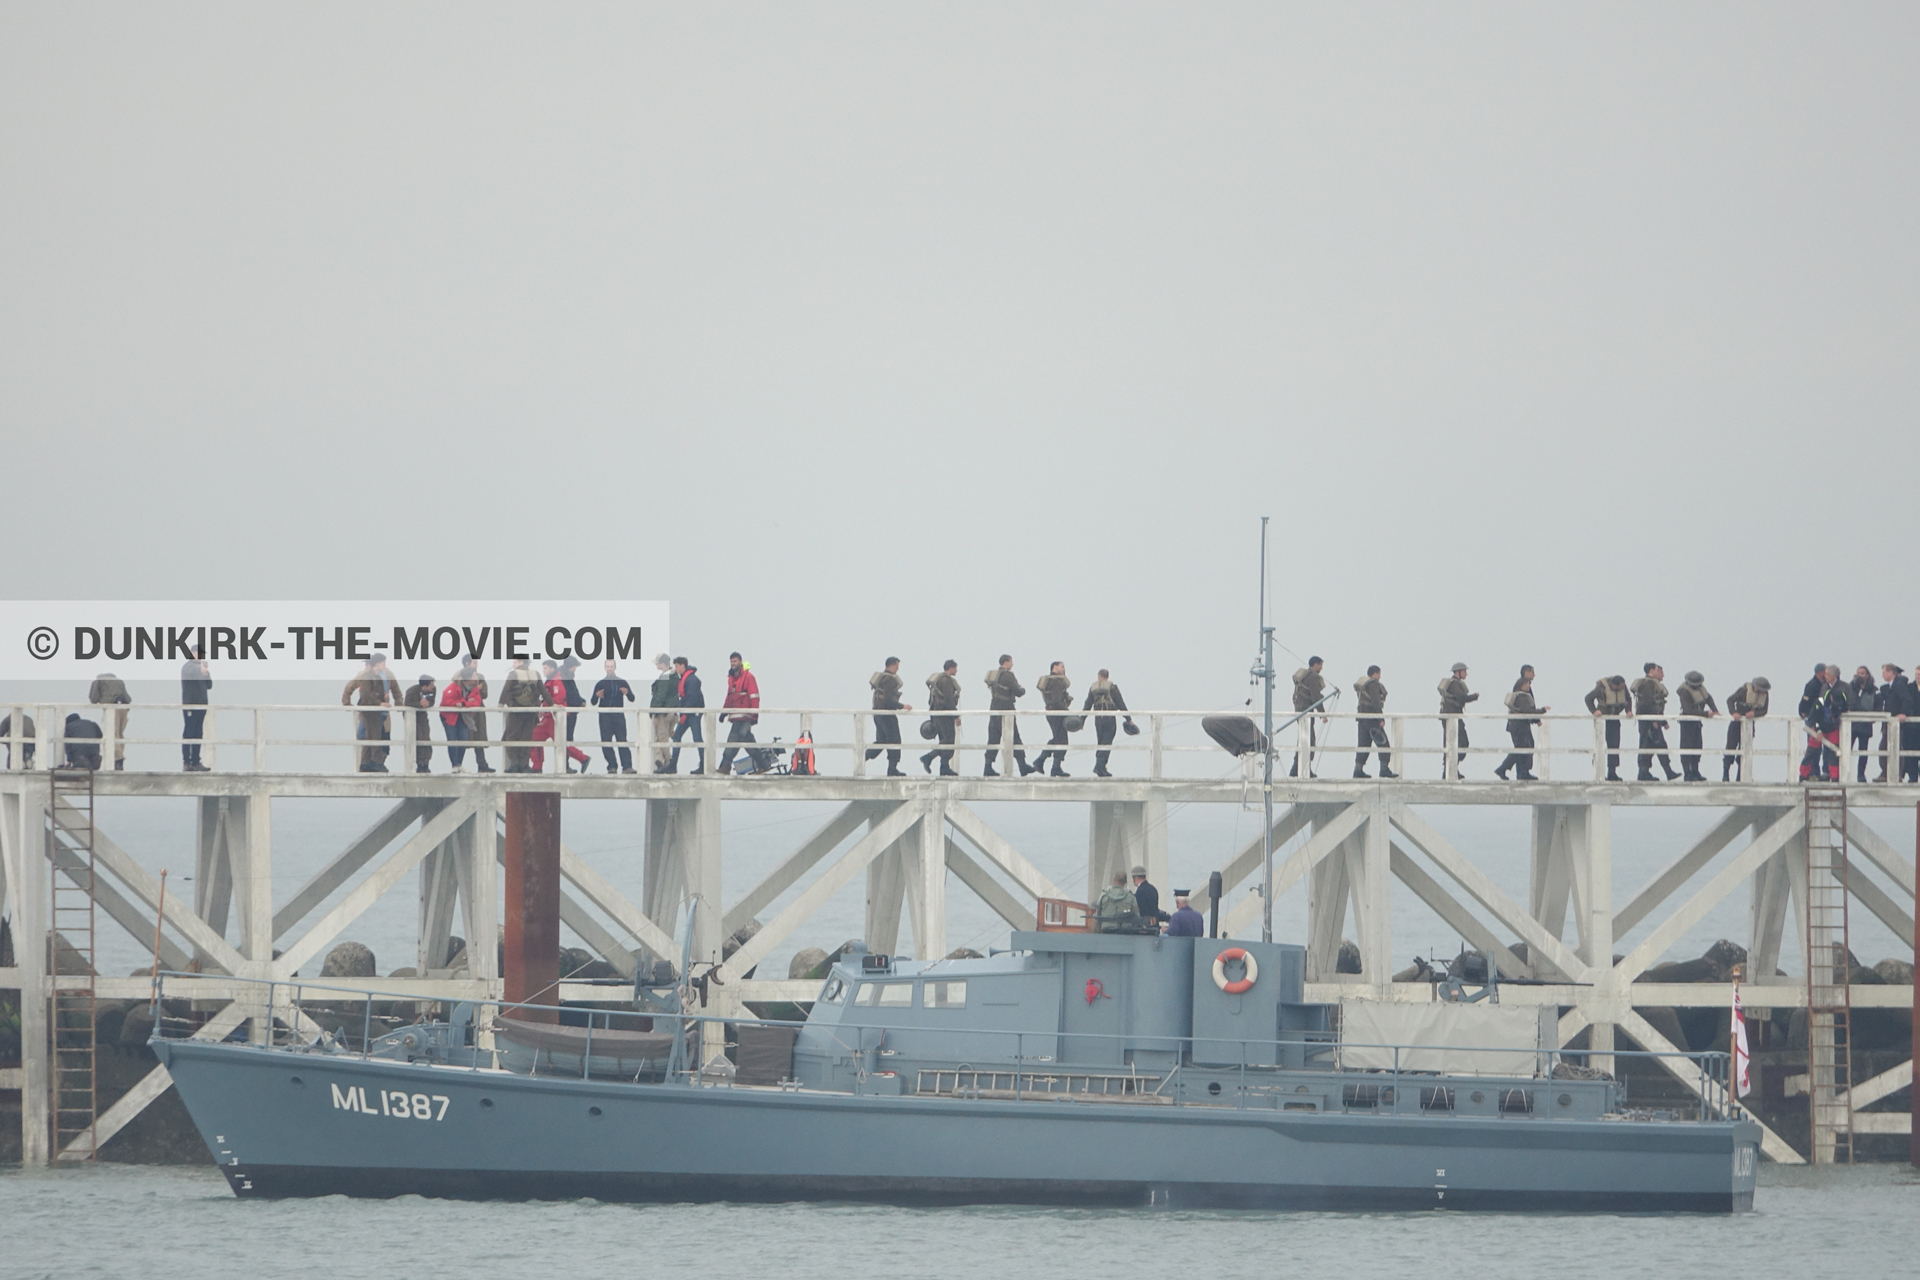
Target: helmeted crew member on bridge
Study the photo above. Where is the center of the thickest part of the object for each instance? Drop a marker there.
(664, 692)
(1147, 898)
(688, 693)
(611, 694)
(1104, 695)
(1116, 901)
(743, 691)
(1185, 922)
(886, 685)
(1821, 709)
(943, 694)
(1694, 701)
(421, 696)
(1748, 702)
(1649, 701)
(1520, 703)
(521, 690)
(1902, 701)
(1863, 695)
(109, 690)
(1056, 693)
(1309, 686)
(1609, 698)
(1004, 689)
(1454, 698)
(1371, 700)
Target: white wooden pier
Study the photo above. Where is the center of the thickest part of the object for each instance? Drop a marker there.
(909, 842)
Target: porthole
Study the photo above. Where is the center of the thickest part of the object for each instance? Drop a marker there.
(1479, 1097)
(1565, 1099)
(486, 1102)
(298, 1083)
(593, 1111)
(1213, 1087)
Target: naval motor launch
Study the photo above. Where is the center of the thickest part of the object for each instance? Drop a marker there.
(1077, 1067)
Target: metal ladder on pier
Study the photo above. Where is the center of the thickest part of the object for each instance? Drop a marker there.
(1829, 1000)
(72, 1079)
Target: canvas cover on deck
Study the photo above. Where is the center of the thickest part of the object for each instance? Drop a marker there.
(1474, 1039)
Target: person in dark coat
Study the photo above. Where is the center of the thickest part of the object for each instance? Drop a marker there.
(1863, 695)
(688, 694)
(611, 695)
(1104, 695)
(82, 754)
(422, 696)
(1901, 700)
(196, 681)
(1822, 716)
(1147, 896)
(570, 685)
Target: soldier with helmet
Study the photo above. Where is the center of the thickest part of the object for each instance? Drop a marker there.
(1748, 702)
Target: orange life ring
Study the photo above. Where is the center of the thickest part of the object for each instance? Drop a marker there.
(1220, 971)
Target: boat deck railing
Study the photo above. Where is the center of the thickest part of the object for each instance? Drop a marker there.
(289, 1007)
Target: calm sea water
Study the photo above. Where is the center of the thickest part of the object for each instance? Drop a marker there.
(162, 1223)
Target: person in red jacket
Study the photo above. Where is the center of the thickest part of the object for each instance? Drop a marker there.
(543, 731)
(742, 691)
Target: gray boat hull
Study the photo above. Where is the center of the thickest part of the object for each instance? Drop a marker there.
(287, 1124)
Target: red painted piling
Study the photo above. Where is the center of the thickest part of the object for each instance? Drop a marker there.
(531, 965)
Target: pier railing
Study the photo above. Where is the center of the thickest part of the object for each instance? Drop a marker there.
(331, 739)
(286, 1005)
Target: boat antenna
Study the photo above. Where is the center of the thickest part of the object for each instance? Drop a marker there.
(1263, 672)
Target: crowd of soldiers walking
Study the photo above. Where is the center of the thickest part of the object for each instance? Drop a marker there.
(1824, 703)
(538, 705)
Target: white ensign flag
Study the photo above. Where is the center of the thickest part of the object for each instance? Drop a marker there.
(1742, 1075)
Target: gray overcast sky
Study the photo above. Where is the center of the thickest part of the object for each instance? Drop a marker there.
(1571, 334)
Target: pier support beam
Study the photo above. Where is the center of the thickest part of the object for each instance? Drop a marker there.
(533, 900)
(31, 908)
(1122, 835)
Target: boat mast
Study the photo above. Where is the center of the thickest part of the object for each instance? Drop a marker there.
(1263, 671)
